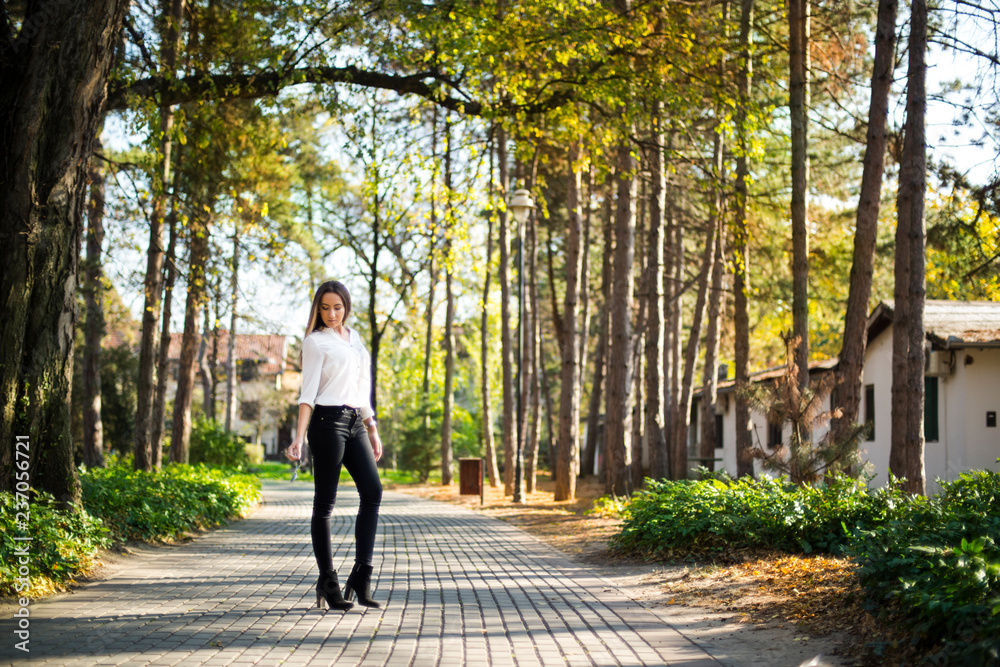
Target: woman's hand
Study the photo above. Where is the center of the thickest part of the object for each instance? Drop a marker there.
(375, 441)
(294, 451)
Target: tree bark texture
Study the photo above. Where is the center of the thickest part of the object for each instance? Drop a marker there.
(656, 444)
(163, 358)
(234, 296)
(93, 292)
(798, 58)
(589, 458)
(741, 255)
(906, 456)
(710, 374)
(569, 396)
(506, 339)
(432, 270)
(618, 416)
(685, 399)
(206, 370)
(638, 376)
(532, 364)
(53, 81)
(489, 443)
(855, 339)
(449, 322)
(180, 439)
(678, 450)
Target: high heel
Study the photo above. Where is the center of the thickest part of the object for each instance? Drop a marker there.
(328, 594)
(360, 581)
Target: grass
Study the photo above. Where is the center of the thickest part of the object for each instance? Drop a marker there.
(282, 471)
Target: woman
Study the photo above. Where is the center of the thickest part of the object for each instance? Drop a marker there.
(336, 394)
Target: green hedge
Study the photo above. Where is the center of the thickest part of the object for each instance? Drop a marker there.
(140, 505)
(119, 504)
(935, 562)
(939, 566)
(62, 543)
(714, 514)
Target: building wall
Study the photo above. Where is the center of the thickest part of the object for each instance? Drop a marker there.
(965, 397)
(980, 369)
(878, 372)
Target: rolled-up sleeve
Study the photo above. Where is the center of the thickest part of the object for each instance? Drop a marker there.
(312, 370)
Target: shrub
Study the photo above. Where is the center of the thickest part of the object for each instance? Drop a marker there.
(141, 505)
(939, 567)
(62, 542)
(212, 444)
(420, 439)
(118, 504)
(693, 515)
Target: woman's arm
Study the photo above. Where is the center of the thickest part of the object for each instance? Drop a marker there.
(294, 450)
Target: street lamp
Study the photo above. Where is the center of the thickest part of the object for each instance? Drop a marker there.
(520, 206)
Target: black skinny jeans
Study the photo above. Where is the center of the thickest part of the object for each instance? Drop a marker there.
(337, 436)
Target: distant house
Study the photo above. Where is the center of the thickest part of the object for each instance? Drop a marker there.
(962, 393)
(266, 379)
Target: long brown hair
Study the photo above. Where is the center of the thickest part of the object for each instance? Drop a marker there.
(329, 287)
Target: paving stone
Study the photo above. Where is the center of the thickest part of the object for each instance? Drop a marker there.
(458, 588)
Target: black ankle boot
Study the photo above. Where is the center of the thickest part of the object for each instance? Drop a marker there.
(360, 582)
(328, 594)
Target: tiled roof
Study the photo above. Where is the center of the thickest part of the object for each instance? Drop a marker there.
(817, 367)
(951, 323)
(269, 349)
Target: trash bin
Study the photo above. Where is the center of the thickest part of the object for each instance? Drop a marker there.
(470, 477)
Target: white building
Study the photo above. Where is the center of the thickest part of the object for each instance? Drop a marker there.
(962, 394)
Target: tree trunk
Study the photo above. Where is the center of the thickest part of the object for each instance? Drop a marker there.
(93, 291)
(234, 295)
(163, 357)
(683, 424)
(180, 438)
(432, 270)
(855, 339)
(205, 365)
(798, 58)
(678, 450)
(618, 415)
(656, 324)
(638, 375)
(710, 373)
(589, 458)
(52, 92)
(906, 457)
(489, 444)
(531, 363)
(671, 292)
(583, 332)
(569, 394)
(449, 322)
(145, 458)
(506, 340)
(741, 256)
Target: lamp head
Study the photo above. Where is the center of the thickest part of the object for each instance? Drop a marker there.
(521, 205)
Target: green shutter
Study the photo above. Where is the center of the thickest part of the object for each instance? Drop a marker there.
(931, 409)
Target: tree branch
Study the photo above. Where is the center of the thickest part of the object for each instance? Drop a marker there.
(205, 86)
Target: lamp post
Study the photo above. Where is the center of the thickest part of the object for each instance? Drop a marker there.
(520, 206)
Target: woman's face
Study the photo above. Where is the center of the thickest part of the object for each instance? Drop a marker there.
(331, 310)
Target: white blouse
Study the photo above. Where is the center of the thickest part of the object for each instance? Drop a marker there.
(336, 372)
